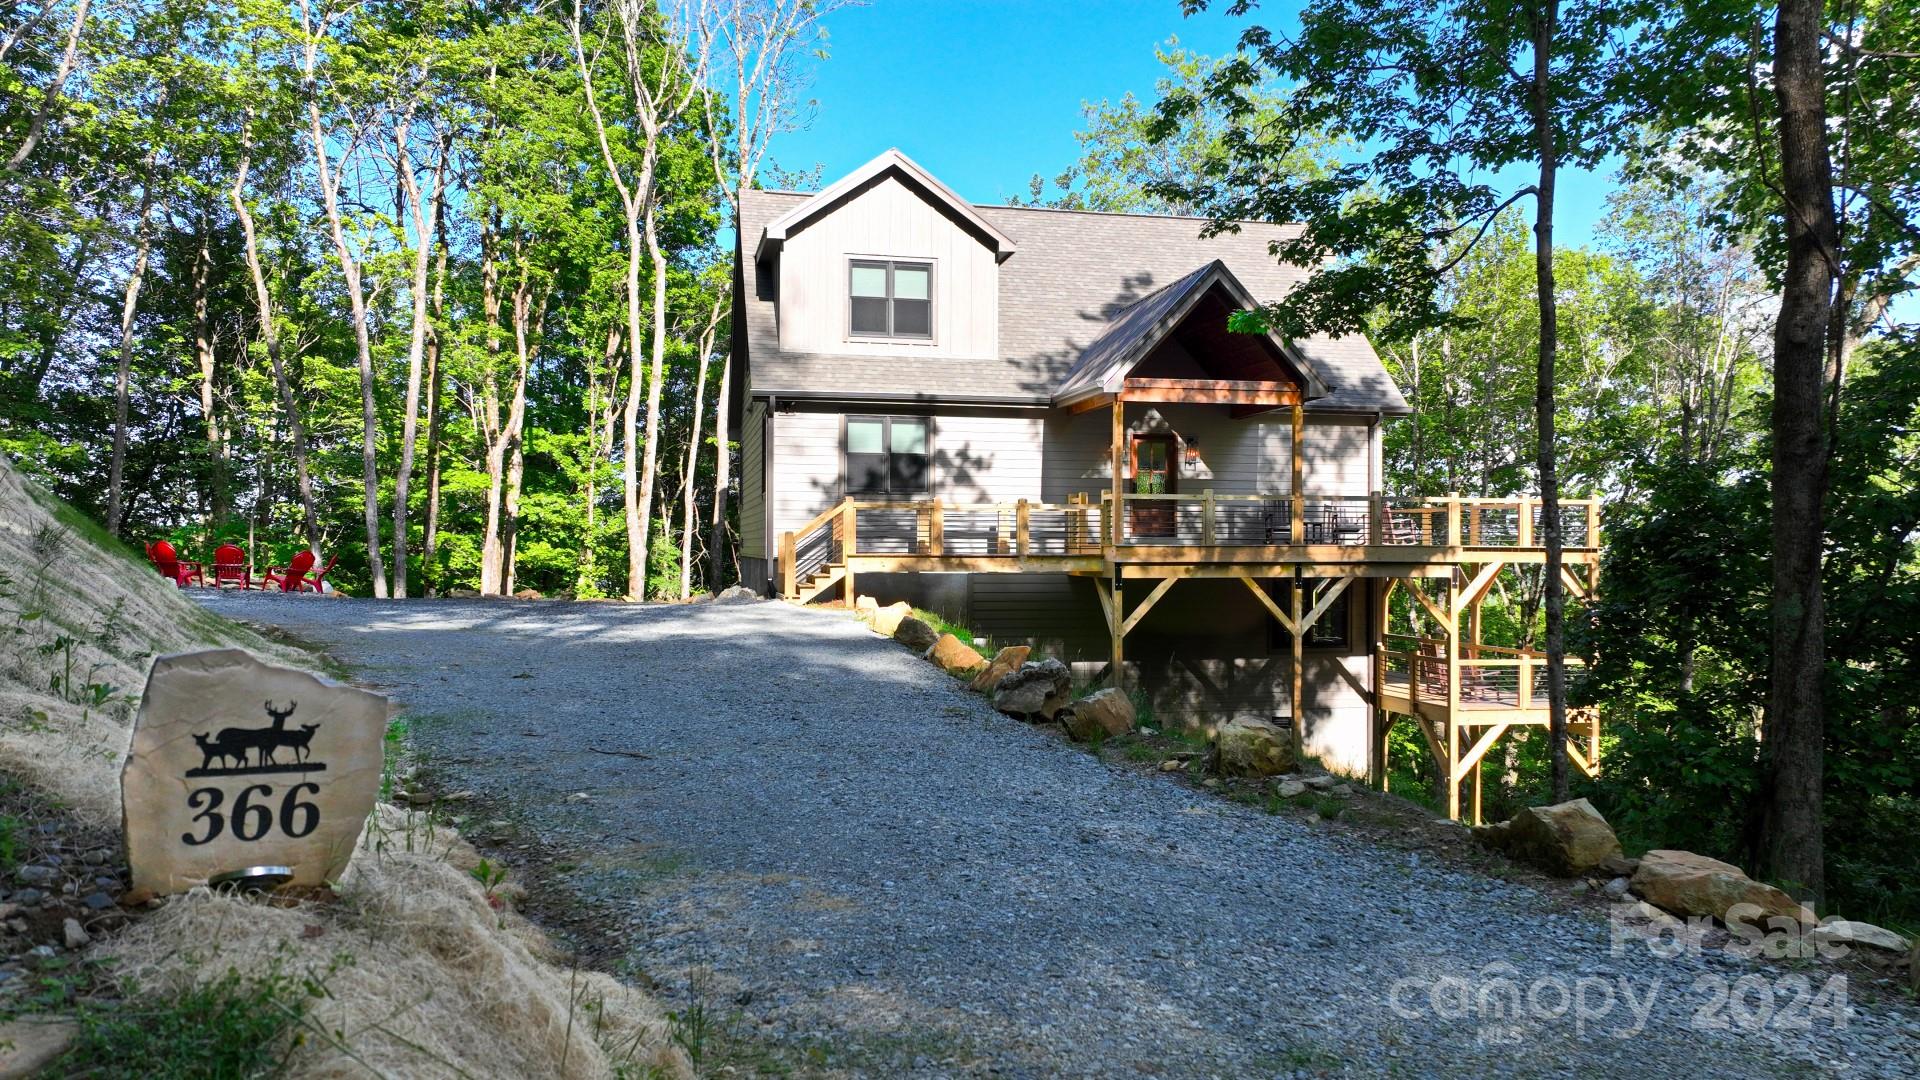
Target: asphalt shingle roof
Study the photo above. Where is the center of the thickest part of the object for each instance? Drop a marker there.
(1073, 272)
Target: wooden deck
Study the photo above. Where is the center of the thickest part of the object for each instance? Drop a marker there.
(1446, 553)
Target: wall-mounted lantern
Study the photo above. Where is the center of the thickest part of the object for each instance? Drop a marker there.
(1192, 451)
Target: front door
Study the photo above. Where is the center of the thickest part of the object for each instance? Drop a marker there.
(1153, 474)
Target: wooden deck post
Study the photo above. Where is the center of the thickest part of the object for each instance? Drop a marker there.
(789, 579)
(1376, 518)
(1297, 525)
(1206, 518)
(1377, 648)
(1299, 658)
(1119, 472)
(1021, 528)
(1526, 523)
(1452, 631)
(849, 543)
(936, 530)
(1593, 522)
(1453, 519)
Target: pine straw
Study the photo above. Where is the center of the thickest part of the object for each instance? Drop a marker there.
(440, 984)
(424, 976)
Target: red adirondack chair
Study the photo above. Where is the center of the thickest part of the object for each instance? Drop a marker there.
(288, 577)
(230, 567)
(172, 567)
(315, 579)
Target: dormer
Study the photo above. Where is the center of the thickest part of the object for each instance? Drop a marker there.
(886, 262)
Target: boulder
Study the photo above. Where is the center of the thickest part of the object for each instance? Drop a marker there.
(529, 594)
(953, 657)
(736, 594)
(887, 619)
(864, 607)
(1567, 839)
(1108, 712)
(915, 634)
(1252, 748)
(1689, 884)
(1847, 932)
(32, 1044)
(1005, 662)
(1036, 690)
(1289, 789)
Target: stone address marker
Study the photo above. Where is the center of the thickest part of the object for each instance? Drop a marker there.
(236, 763)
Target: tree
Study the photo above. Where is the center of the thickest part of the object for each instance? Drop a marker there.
(1434, 91)
(1123, 168)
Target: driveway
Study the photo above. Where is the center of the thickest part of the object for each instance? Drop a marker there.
(856, 867)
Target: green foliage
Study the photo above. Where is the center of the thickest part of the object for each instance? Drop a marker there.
(229, 1027)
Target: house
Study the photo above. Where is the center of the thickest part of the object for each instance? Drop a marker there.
(1038, 422)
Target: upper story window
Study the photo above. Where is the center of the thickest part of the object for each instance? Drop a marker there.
(890, 299)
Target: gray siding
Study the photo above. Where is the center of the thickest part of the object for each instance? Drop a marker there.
(753, 481)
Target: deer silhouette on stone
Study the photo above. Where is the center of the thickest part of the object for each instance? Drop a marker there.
(265, 740)
(298, 741)
(210, 749)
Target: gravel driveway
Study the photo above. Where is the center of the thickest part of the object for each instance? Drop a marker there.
(869, 872)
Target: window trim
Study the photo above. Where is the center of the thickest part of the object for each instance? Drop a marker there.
(886, 439)
(855, 262)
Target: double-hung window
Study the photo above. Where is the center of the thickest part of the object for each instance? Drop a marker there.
(890, 299)
(886, 457)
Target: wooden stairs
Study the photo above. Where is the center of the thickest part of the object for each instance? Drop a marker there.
(809, 588)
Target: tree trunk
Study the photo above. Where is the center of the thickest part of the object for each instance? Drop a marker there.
(363, 345)
(722, 477)
(218, 506)
(36, 127)
(1794, 748)
(656, 377)
(1544, 27)
(528, 315)
(599, 418)
(436, 417)
(493, 446)
(425, 214)
(688, 493)
(129, 305)
(270, 333)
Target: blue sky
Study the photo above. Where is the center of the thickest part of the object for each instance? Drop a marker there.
(985, 93)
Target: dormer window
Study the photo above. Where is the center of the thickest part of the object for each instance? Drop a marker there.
(889, 299)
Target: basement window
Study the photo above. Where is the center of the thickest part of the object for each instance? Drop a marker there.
(888, 299)
(886, 457)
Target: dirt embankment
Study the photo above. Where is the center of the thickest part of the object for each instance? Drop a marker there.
(414, 964)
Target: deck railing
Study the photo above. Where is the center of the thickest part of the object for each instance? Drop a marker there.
(1491, 677)
(1209, 519)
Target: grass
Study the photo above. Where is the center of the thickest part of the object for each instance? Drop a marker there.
(227, 1028)
(943, 625)
(394, 746)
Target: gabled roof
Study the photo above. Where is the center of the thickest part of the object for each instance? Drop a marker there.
(1077, 270)
(1133, 332)
(894, 162)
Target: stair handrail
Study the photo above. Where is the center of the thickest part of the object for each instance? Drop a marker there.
(791, 540)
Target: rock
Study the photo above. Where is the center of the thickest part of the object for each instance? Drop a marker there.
(529, 594)
(98, 901)
(1319, 782)
(1615, 889)
(953, 657)
(1005, 662)
(137, 898)
(1618, 866)
(75, 934)
(96, 857)
(887, 619)
(864, 607)
(915, 634)
(1341, 791)
(1847, 932)
(37, 875)
(463, 594)
(29, 897)
(736, 594)
(1172, 765)
(1566, 839)
(295, 758)
(1108, 711)
(29, 1045)
(1252, 748)
(1688, 884)
(1211, 783)
(1289, 789)
(1913, 969)
(1036, 690)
